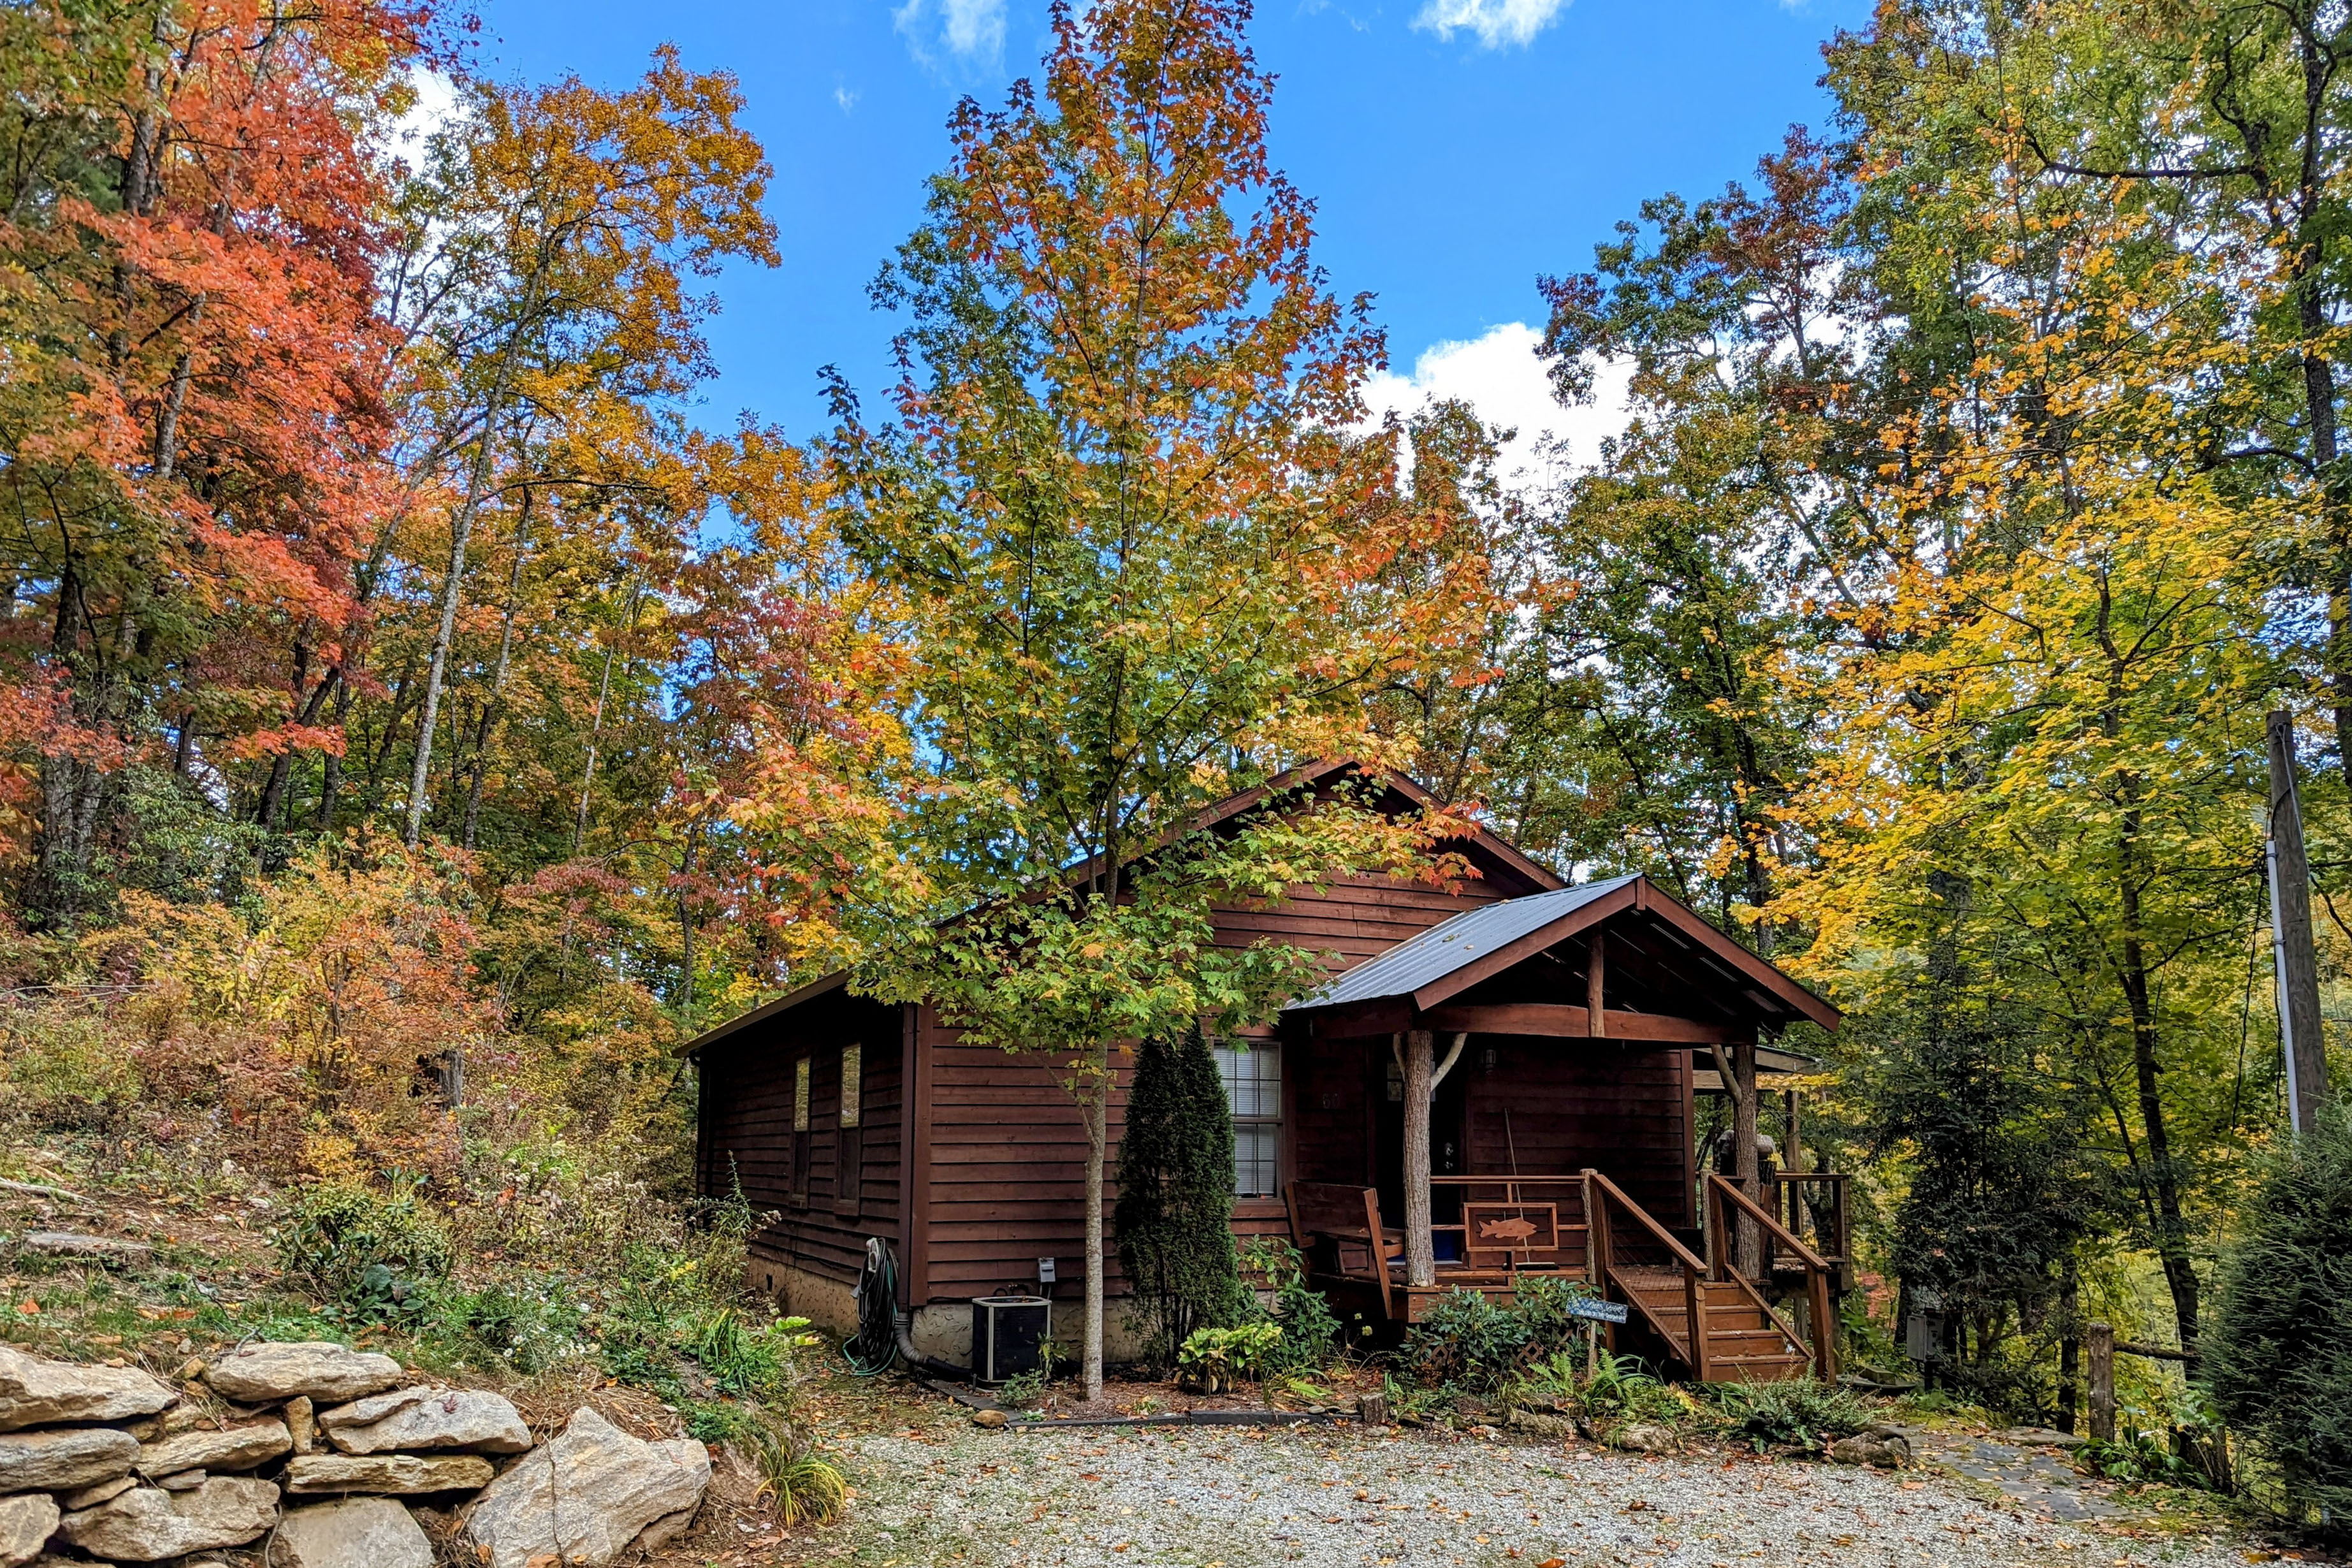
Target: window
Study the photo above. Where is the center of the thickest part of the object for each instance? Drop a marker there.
(849, 1143)
(1253, 1075)
(798, 1192)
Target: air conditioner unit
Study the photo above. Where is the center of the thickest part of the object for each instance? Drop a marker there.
(1008, 1333)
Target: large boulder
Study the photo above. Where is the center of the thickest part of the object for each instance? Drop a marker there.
(1645, 1438)
(585, 1497)
(413, 1418)
(147, 1524)
(361, 1533)
(25, 1525)
(266, 1374)
(64, 1458)
(322, 1474)
(229, 1449)
(37, 1391)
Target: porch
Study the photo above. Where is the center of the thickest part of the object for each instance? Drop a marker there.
(1514, 1093)
(1584, 1228)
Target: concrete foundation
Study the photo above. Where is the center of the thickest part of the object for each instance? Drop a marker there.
(942, 1329)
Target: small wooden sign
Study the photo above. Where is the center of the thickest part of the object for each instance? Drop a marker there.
(1599, 1311)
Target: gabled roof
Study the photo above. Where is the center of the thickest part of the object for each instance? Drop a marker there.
(1413, 963)
(1497, 859)
(1447, 959)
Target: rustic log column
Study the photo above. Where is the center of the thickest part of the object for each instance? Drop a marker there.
(1420, 1247)
(1748, 1245)
(2099, 1357)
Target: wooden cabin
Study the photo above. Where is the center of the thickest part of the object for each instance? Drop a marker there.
(1578, 1024)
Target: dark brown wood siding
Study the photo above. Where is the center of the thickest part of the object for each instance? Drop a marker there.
(1006, 1150)
(1555, 1107)
(746, 1130)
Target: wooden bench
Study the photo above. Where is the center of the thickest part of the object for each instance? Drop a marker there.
(1348, 1219)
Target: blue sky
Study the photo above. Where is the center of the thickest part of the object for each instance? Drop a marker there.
(1456, 149)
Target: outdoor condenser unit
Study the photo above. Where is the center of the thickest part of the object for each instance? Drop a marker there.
(1007, 1332)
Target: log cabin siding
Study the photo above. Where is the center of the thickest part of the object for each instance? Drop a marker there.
(1554, 1107)
(747, 1132)
(1002, 1162)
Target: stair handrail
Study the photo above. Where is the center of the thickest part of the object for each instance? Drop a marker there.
(1699, 1353)
(1763, 1217)
(1682, 1255)
(1817, 1274)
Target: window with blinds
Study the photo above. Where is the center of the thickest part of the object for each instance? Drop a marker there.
(1252, 1080)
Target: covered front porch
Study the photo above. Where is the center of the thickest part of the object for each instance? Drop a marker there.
(1516, 1092)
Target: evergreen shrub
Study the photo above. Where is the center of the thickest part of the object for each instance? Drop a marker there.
(1174, 1215)
(2278, 1351)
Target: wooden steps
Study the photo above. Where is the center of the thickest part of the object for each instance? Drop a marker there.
(1743, 1343)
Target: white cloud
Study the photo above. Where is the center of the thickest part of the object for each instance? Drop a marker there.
(846, 98)
(973, 31)
(436, 101)
(1496, 22)
(1499, 375)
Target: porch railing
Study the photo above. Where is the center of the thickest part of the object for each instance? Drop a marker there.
(1724, 1203)
(1605, 1205)
(1806, 1207)
(1563, 1195)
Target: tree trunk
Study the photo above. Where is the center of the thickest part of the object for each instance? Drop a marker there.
(461, 532)
(2300, 1027)
(596, 728)
(2070, 1343)
(1419, 1246)
(330, 769)
(2172, 1228)
(491, 704)
(1098, 1118)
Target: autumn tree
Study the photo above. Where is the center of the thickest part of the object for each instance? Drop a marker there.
(543, 293)
(192, 237)
(1138, 553)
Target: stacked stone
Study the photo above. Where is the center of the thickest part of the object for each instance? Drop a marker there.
(107, 1463)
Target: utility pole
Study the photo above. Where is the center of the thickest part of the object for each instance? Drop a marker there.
(2300, 1031)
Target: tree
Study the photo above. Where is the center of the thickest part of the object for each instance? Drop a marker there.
(2002, 1194)
(2279, 1354)
(542, 293)
(1174, 1216)
(1136, 555)
(191, 429)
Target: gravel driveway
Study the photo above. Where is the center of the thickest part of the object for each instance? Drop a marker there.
(945, 1493)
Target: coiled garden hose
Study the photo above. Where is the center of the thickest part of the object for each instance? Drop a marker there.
(885, 1334)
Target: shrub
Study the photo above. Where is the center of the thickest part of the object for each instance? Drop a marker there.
(1210, 1361)
(1799, 1413)
(63, 1067)
(371, 1252)
(1174, 1214)
(2138, 1457)
(2278, 1356)
(525, 1327)
(1311, 1334)
(1468, 1342)
(1622, 1389)
(808, 1488)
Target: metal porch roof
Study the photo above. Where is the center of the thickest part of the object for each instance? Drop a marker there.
(1442, 949)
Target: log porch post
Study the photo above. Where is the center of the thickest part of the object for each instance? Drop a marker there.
(1420, 1247)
